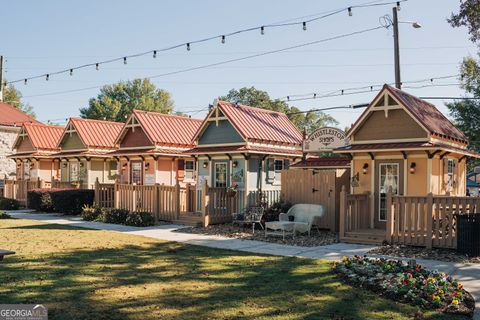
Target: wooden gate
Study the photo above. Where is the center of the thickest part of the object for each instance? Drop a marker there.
(314, 187)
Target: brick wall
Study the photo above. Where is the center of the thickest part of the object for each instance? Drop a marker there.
(7, 138)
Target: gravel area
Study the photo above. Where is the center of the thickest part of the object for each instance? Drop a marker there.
(317, 238)
(448, 255)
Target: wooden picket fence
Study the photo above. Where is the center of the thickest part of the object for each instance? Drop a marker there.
(429, 221)
(171, 203)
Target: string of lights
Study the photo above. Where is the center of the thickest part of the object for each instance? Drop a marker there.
(188, 45)
(224, 61)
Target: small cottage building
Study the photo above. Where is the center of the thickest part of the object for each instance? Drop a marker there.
(152, 149)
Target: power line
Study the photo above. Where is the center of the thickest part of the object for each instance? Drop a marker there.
(189, 44)
(225, 61)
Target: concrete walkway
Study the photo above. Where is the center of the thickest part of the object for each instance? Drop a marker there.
(468, 274)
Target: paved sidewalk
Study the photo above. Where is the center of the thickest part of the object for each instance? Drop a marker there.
(468, 274)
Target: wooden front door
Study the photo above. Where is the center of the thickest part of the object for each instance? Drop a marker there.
(388, 174)
(136, 172)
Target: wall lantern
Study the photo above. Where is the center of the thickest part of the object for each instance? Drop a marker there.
(365, 168)
(19, 165)
(124, 167)
(81, 164)
(205, 164)
(147, 165)
(413, 167)
(235, 164)
(65, 164)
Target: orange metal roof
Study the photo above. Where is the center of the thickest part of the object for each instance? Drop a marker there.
(43, 137)
(167, 129)
(257, 124)
(97, 133)
(245, 149)
(11, 116)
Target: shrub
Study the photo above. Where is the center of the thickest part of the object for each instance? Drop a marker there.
(4, 215)
(118, 216)
(9, 204)
(40, 200)
(71, 201)
(140, 219)
(92, 213)
(271, 214)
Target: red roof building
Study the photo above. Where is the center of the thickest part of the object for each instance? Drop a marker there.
(11, 116)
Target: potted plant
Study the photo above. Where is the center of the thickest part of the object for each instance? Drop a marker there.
(232, 190)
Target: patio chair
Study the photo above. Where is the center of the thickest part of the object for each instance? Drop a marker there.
(304, 216)
(281, 227)
(252, 215)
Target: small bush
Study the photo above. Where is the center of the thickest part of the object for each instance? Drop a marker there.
(40, 200)
(71, 201)
(271, 214)
(4, 215)
(140, 219)
(92, 213)
(118, 216)
(9, 204)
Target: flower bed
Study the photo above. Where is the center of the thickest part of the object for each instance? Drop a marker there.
(406, 282)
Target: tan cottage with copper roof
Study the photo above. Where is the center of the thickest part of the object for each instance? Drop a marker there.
(407, 144)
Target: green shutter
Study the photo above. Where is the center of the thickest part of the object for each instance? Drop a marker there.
(270, 170)
(286, 164)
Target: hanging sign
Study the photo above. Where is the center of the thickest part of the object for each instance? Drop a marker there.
(325, 139)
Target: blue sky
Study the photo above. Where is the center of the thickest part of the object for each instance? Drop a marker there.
(46, 36)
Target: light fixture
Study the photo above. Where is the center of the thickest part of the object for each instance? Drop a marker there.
(71, 72)
(188, 46)
(304, 26)
(416, 25)
(97, 66)
(47, 77)
(81, 164)
(154, 53)
(124, 60)
(223, 39)
(25, 82)
(262, 30)
(398, 6)
(350, 11)
(65, 164)
(19, 165)
(205, 164)
(147, 165)
(235, 163)
(365, 168)
(413, 167)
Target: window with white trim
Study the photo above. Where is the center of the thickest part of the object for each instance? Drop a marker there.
(450, 173)
(189, 170)
(278, 166)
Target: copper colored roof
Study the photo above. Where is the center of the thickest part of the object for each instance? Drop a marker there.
(316, 162)
(257, 124)
(152, 152)
(97, 133)
(428, 115)
(11, 116)
(168, 129)
(404, 146)
(43, 137)
(243, 148)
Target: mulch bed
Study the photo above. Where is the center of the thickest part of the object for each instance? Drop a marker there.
(407, 283)
(317, 238)
(448, 255)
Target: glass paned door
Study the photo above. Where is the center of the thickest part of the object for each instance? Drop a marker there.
(221, 174)
(137, 176)
(388, 177)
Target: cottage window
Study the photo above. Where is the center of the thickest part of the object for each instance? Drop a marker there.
(450, 171)
(189, 170)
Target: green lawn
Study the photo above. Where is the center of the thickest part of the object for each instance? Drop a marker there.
(89, 274)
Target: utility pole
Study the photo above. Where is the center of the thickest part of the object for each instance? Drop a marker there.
(396, 47)
(1, 78)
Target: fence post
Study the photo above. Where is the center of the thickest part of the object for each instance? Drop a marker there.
(343, 213)
(187, 198)
(116, 197)
(177, 200)
(429, 237)
(156, 204)
(97, 192)
(134, 197)
(205, 200)
(390, 216)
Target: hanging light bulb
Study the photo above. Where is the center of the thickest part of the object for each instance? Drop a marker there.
(262, 30)
(47, 77)
(223, 39)
(314, 96)
(97, 66)
(304, 26)
(154, 53)
(188, 46)
(288, 98)
(398, 6)
(124, 60)
(71, 72)
(350, 11)
(25, 82)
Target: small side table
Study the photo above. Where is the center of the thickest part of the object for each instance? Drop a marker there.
(280, 228)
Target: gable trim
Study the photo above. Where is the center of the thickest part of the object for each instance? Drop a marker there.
(68, 130)
(129, 124)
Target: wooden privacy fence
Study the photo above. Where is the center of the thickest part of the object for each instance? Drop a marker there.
(429, 221)
(169, 202)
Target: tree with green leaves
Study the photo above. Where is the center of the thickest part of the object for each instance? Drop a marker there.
(260, 99)
(115, 102)
(13, 97)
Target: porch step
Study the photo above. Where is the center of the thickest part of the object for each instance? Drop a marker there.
(189, 219)
(367, 237)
